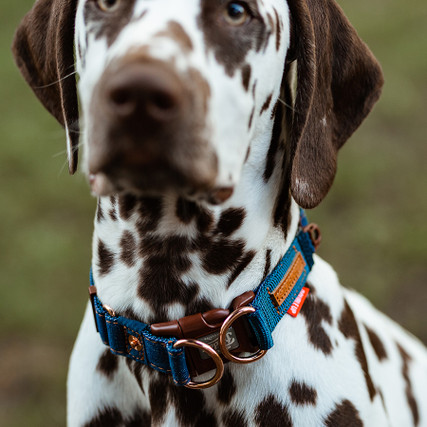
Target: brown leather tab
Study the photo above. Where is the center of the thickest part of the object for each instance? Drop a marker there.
(242, 300)
(167, 329)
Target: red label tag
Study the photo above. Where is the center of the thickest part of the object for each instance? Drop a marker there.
(296, 306)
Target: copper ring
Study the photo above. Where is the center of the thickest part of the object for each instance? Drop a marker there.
(212, 353)
(242, 311)
(109, 310)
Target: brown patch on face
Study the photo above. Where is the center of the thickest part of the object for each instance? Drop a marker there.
(406, 359)
(108, 24)
(246, 76)
(315, 312)
(302, 394)
(107, 364)
(129, 249)
(272, 413)
(105, 259)
(229, 43)
(278, 30)
(377, 344)
(176, 32)
(348, 326)
(344, 415)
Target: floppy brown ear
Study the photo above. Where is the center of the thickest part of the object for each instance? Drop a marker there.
(338, 82)
(43, 48)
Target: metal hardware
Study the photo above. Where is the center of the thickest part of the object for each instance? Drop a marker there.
(135, 343)
(109, 310)
(242, 311)
(212, 353)
(315, 235)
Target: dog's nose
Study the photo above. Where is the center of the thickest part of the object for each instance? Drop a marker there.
(144, 94)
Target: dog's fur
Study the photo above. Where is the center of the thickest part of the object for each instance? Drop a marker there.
(202, 134)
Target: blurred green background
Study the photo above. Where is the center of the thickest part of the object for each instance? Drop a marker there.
(373, 221)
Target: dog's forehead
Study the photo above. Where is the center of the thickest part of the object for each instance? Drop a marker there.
(184, 21)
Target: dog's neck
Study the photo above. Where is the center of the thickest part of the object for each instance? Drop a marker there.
(161, 258)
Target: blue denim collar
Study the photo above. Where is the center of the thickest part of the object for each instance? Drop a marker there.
(271, 301)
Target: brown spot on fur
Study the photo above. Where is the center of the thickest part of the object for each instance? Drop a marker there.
(107, 417)
(127, 204)
(108, 24)
(149, 212)
(344, 415)
(105, 259)
(186, 210)
(129, 248)
(272, 413)
(242, 264)
(234, 419)
(348, 326)
(191, 407)
(230, 221)
(267, 263)
(302, 394)
(107, 364)
(246, 76)
(376, 343)
(176, 32)
(274, 143)
(315, 312)
(406, 359)
(278, 30)
(226, 388)
(251, 117)
(157, 394)
(266, 104)
(230, 44)
(99, 212)
(160, 284)
(222, 256)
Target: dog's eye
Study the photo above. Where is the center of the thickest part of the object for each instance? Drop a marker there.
(236, 13)
(108, 5)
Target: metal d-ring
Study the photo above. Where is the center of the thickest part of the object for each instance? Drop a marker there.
(212, 353)
(242, 311)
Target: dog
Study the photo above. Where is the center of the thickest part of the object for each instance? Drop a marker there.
(206, 125)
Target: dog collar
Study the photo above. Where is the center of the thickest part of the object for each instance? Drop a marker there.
(195, 344)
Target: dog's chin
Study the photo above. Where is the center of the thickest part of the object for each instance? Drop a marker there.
(102, 185)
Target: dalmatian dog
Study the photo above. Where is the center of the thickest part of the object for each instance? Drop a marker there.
(205, 126)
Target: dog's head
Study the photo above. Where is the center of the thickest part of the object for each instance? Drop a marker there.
(175, 94)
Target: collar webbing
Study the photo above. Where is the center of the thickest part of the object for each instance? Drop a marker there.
(273, 298)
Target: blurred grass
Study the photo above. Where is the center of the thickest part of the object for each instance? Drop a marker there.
(373, 220)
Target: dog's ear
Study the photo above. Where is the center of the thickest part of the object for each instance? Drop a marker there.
(43, 48)
(338, 80)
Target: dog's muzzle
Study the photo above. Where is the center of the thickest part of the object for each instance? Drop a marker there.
(148, 130)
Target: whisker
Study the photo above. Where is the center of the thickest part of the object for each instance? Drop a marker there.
(58, 81)
(287, 105)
